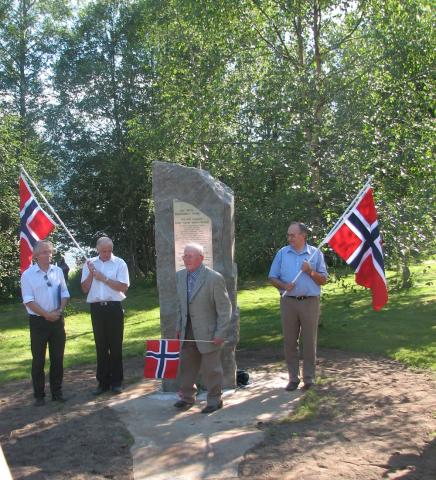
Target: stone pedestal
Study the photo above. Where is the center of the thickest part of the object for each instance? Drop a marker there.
(214, 200)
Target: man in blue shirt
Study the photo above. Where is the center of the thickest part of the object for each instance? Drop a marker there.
(299, 301)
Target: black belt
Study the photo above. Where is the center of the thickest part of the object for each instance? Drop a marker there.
(105, 304)
(298, 298)
(39, 316)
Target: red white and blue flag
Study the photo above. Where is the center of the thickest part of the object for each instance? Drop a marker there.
(35, 224)
(357, 240)
(161, 358)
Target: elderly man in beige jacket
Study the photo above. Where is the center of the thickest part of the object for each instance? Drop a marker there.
(204, 314)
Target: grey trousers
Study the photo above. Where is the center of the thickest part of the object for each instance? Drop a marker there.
(300, 318)
(191, 363)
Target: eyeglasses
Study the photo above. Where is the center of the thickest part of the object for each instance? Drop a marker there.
(47, 280)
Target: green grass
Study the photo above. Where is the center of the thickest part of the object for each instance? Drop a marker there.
(404, 330)
(141, 322)
(307, 408)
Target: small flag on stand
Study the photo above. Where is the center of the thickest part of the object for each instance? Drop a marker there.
(357, 240)
(35, 224)
(161, 358)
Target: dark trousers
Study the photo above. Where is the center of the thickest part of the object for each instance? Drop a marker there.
(43, 333)
(108, 327)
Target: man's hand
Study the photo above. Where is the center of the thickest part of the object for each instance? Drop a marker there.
(53, 315)
(306, 267)
(289, 286)
(91, 267)
(218, 341)
(99, 276)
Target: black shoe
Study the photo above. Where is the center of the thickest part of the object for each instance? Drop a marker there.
(117, 389)
(212, 408)
(100, 389)
(58, 397)
(307, 386)
(183, 405)
(39, 402)
(291, 386)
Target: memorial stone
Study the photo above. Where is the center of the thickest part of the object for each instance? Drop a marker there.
(191, 206)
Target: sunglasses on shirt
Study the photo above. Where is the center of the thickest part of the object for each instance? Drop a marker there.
(47, 280)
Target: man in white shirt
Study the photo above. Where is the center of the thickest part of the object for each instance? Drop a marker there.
(105, 279)
(45, 296)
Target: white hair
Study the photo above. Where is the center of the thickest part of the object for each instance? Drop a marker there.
(196, 247)
(104, 241)
(39, 244)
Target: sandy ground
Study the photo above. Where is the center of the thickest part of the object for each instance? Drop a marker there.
(377, 421)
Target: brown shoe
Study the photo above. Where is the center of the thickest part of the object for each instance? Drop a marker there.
(212, 408)
(307, 386)
(291, 386)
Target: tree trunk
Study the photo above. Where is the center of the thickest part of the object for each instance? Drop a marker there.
(406, 278)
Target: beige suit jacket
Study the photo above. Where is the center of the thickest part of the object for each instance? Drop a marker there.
(210, 308)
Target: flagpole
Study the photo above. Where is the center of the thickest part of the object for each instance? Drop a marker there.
(203, 341)
(53, 210)
(357, 198)
(301, 271)
(332, 230)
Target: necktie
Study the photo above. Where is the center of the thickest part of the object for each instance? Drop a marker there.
(191, 285)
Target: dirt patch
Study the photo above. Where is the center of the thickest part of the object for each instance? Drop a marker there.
(376, 420)
(81, 439)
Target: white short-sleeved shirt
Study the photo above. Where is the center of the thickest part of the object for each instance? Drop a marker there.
(115, 269)
(44, 288)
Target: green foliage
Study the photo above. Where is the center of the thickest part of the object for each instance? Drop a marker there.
(292, 104)
(27, 32)
(101, 78)
(389, 106)
(9, 258)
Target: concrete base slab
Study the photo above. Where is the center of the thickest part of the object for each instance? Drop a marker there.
(170, 444)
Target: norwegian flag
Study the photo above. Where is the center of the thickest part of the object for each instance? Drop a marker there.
(35, 224)
(357, 240)
(162, 358)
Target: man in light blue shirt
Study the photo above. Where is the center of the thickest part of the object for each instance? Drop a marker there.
(299, 301)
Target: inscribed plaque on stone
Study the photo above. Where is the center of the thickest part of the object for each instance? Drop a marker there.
(191, 225)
